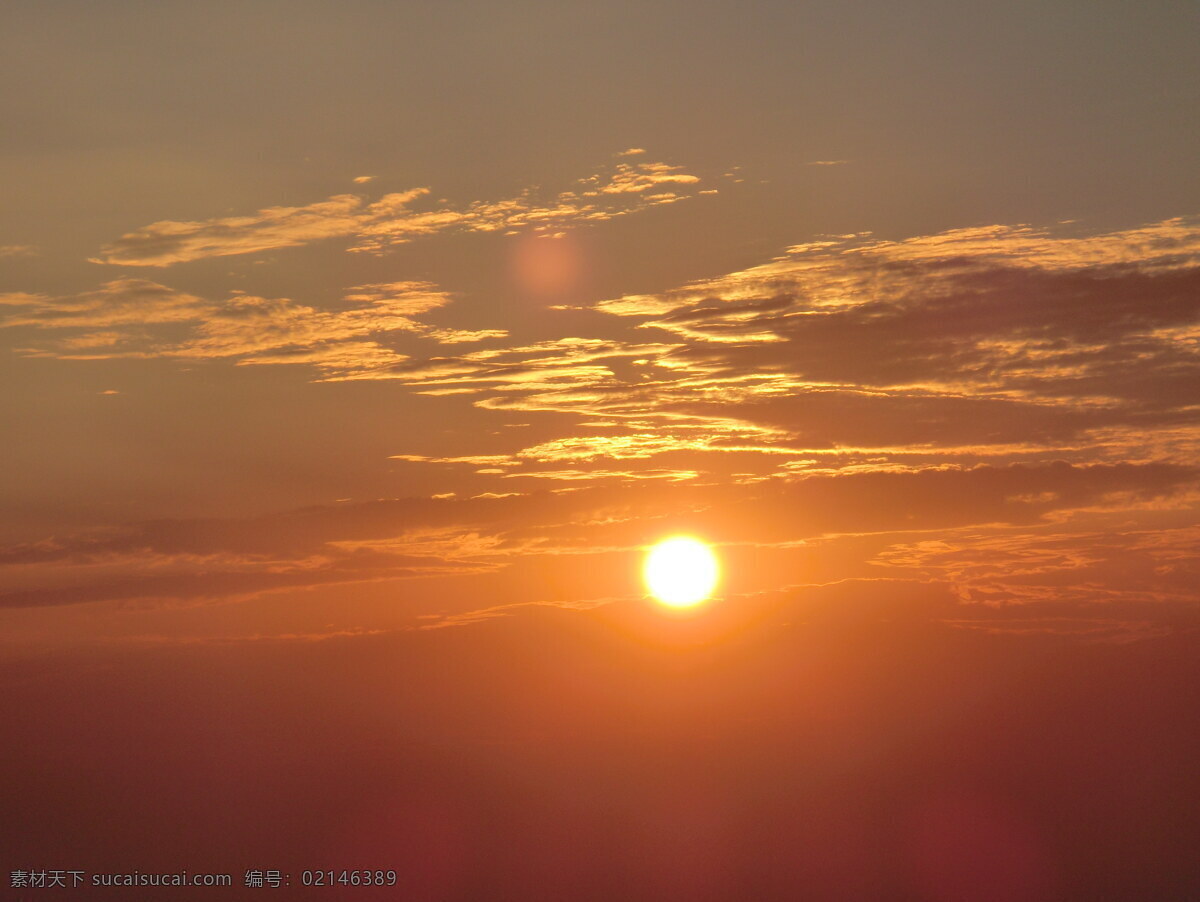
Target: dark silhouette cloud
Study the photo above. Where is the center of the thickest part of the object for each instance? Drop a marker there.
(504, 540)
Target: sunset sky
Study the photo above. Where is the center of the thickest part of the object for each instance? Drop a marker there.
(356, 353)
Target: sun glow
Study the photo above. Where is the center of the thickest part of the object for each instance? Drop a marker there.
(681, 571)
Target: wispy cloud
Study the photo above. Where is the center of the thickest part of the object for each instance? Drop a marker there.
(167, 242)
(139, 318)
(855, 269)
(848, 353)
(993, 336)
(1005, 342)
(396, 218)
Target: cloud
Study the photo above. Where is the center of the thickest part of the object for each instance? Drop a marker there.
(137, 318)
(843, 271)
(998, 336)
(590, 475)
(119, 303)
(1064, 573)
(999, 343)
(17, 250)
(856, 525)
(391, 220)
(1003, 343)
(168, 242)
(955, 325)
(847, 354)
(636, 178)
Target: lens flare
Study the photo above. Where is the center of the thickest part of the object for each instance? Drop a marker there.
(681, 571)
(548, 267)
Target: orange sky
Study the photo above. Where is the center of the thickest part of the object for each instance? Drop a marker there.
(356, 353)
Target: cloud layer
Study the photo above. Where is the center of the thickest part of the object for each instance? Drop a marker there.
(974, 344)
(1005, 413)
(1005, 548)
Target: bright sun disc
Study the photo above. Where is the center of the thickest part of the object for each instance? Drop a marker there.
(681, 571)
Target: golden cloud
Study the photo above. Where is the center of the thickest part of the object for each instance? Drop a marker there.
(391, 220)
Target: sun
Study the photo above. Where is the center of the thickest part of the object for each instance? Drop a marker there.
(681, 571)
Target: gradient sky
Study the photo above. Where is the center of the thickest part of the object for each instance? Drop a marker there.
(359, 345)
